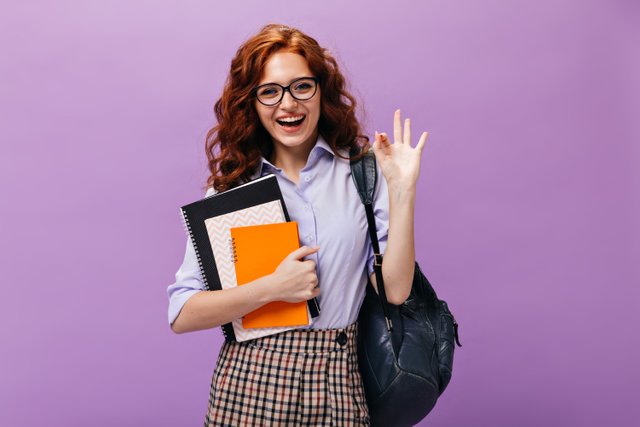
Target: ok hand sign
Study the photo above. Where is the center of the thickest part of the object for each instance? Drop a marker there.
(399, 162)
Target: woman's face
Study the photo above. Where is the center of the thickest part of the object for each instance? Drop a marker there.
(283, 68)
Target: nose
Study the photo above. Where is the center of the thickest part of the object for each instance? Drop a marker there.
(288, 101)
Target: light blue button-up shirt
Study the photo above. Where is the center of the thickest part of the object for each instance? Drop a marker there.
(326, 206)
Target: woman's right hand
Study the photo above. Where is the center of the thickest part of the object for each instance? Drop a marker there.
(295, 279)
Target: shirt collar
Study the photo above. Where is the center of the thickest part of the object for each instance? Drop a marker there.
(266, 166)
(322, 144)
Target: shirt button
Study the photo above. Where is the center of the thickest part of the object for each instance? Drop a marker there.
(309, 237)
(307, 178)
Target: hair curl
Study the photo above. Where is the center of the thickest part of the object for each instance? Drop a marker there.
(234, 146)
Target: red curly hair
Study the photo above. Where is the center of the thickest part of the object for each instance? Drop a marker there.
(235, 144)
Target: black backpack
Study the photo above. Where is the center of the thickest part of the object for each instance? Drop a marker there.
(405, 352)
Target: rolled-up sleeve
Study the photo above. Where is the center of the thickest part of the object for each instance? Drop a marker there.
(381, 214)
(188, 280)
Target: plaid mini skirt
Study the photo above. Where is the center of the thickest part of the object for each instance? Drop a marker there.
(303, 377)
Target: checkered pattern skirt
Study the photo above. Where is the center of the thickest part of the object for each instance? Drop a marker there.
(304, 377)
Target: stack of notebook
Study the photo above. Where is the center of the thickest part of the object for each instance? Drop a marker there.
(240, 235)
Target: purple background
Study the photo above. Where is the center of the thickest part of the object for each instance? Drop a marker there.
(527, 216)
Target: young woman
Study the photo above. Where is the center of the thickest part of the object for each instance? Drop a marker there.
(285, 110)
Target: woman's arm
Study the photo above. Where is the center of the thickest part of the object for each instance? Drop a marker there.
(399, 256)
(294, 280)
(208, 309)
(400, 165)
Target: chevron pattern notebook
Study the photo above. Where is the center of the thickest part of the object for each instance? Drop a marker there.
(219, 230)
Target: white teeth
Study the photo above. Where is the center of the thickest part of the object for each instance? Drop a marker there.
(290, 119)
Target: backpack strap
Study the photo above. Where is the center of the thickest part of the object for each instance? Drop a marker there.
(365, 176)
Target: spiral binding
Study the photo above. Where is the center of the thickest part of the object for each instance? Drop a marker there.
(185, 221)
(188, 228)
(233, 250)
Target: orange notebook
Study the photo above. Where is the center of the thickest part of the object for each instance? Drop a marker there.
(258, 250)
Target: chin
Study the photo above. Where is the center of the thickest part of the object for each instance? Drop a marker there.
(288, 141)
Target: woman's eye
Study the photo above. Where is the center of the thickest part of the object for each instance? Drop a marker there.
(303, 86)
(268, 91)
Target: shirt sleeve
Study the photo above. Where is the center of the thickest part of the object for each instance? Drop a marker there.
(381, 214)
(188, 279)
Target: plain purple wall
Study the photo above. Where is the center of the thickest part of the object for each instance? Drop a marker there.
(527, 215)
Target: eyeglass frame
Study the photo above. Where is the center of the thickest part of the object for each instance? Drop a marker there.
(287, 89)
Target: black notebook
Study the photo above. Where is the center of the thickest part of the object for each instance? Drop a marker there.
(208, 222)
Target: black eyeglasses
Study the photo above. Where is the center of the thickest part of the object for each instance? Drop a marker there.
(302, 89)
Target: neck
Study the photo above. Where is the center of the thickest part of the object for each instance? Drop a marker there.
(292, 159)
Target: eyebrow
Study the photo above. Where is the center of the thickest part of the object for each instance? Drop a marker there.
(290, 81)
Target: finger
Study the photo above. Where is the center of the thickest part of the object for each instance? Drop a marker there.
(422, 142)
(311, 263)
(380, 144)
(384, 140)
(377, 150)
(397, 128)
(407, 132)
(303, 252)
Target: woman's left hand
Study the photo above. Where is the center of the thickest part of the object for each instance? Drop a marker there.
(399, 162)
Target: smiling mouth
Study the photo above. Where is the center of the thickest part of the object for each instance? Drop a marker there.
(290, 123)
